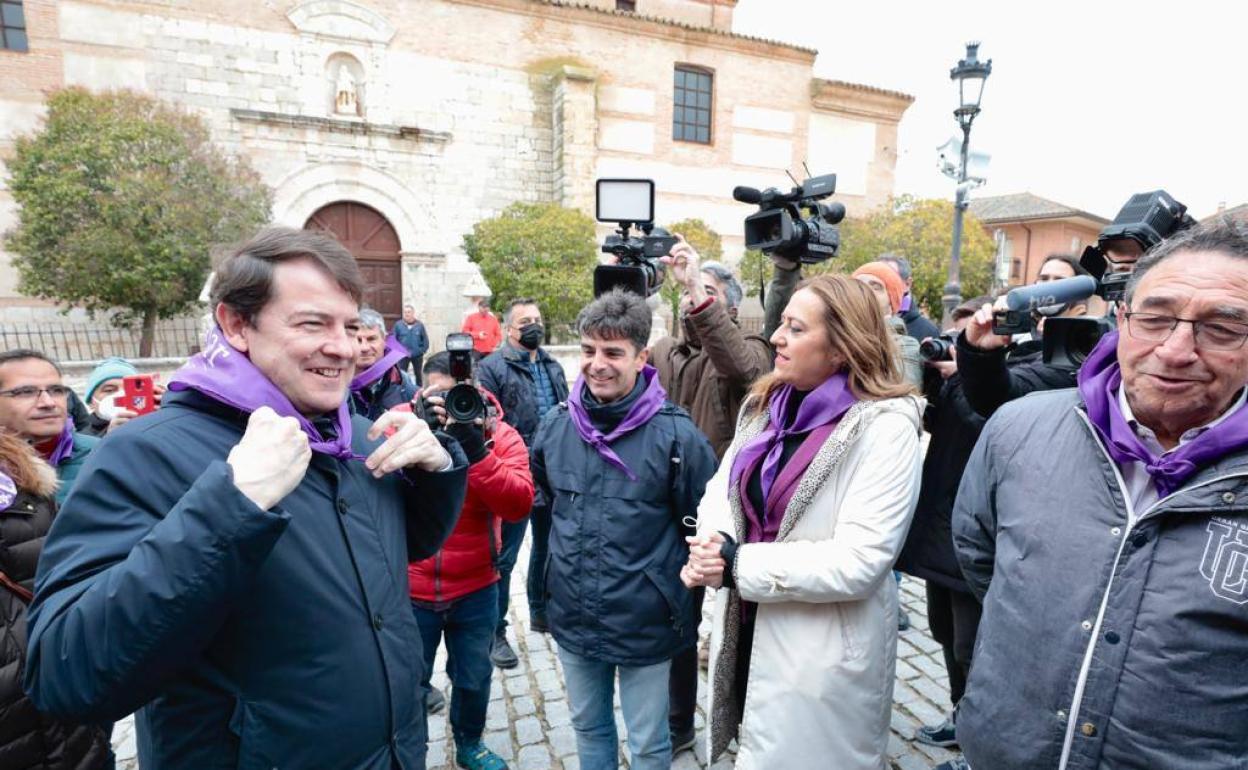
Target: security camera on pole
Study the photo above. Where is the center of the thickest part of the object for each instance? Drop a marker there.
(970, 75)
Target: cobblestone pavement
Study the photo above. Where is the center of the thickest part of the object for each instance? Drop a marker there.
(529, 726)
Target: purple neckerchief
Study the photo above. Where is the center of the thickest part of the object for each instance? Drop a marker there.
(906, 302)
(64, 444)
(765, 528)
(647, 405)
(823, 405)
(394, 353)
(1099, 380)
(224, 374)
(8, 491)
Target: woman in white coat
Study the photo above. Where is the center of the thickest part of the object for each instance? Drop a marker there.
(801, 525)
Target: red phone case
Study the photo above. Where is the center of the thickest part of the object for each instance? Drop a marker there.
(138, 394)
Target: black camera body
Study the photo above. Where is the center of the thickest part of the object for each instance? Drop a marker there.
(639, 269)
(1068, 341)
(463, 402)
(939, 348)
(1148, 219)
(629, 203)
(779, 228)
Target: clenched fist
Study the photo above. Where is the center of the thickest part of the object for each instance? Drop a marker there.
(271, 458)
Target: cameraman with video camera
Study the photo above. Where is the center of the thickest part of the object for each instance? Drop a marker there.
(995, 370)
(455, 592)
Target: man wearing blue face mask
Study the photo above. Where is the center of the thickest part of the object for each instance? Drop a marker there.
(528, 383)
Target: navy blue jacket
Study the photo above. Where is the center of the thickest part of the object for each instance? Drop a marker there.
(413, 337)
(616, 546)
(248, 638)
(505, 373)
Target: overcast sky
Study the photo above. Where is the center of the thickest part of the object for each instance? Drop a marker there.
(1087, 103)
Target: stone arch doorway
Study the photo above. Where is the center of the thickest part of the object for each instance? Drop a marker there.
(372, 240)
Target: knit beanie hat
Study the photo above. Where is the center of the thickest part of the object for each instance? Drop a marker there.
(888, 276)
(109, 369)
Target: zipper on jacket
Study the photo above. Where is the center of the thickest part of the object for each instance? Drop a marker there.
(1077, 701)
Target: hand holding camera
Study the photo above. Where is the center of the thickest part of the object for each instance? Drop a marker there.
(684, 264)
(979, 332)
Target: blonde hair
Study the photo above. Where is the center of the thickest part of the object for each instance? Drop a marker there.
(29, 473)
(857, 333)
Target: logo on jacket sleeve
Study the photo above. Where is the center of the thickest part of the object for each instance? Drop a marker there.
(1225, 563)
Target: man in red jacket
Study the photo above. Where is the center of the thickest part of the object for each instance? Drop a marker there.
(456, 591)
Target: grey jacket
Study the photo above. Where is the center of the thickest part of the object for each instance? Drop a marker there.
(1102, 645)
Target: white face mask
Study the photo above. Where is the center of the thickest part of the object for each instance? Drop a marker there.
(106, 408)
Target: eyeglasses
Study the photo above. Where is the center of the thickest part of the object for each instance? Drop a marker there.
(1210, 335)
(32, 393)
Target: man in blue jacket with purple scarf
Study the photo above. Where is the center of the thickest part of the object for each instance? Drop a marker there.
(621, 466)
(1106, 530)
(235, 565)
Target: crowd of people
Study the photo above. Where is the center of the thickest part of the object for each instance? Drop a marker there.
(262, 568)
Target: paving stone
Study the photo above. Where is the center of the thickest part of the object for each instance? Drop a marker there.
(562, 741)
(523, 706)
(534, 758)
(529, 731)
(557, 714)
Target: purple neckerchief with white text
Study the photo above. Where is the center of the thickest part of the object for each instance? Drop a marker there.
(228, 376)
(1099, 380)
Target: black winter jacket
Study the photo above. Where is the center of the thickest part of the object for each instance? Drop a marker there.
(30, 740)
(616, 546)
(505, 373)
(918, 325)
(989, 382)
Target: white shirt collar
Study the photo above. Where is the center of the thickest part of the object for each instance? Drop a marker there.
(1150, 438)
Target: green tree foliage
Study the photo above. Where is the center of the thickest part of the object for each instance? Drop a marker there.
(538, 250)
(705, 241)
(120, 200)
(919, 229)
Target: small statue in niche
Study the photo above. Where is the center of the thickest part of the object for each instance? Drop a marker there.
(346, 100)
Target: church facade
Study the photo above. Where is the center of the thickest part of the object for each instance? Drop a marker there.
(398, 124)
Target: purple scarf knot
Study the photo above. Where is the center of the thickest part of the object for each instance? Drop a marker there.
(227, 376)
(647, 405)
(393, 354)
(1099, 381)
(822, 406)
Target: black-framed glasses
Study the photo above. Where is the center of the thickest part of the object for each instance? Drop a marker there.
(1210, 335)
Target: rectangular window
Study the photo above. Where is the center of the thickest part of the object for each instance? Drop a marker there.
(626, 5)
(12, 26)
(691, 105)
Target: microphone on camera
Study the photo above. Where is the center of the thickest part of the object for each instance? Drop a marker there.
(1038, 295)
(747, 194)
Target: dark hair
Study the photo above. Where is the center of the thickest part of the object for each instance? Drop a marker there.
(244, 278)
(901, 263)
(616, 315)
(438, 363)
(970, 307)
(26, 354)
(515, 303)
(1066, 259)
(1223, 235)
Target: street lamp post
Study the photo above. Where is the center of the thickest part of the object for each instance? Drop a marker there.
(970, 75)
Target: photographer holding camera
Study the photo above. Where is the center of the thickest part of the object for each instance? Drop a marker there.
(994, 370)
(455, 592)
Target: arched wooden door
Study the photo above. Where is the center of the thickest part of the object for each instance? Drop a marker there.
(370, 237)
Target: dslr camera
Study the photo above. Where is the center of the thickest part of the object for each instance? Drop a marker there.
(938, 348)
(629, 203)
(463, 402)
(779, 228)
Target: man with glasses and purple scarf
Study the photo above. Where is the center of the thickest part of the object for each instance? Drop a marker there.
(34, 405)
(1106, 529)
(233, 566)
(621, 467)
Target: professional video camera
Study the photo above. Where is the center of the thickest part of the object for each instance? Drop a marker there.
(778, 227)
(1148, 219)
(463, 402)
(630, 203)
(1067, 341)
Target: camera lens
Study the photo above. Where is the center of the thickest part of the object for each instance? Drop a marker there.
(936, 350)
(464, 404)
